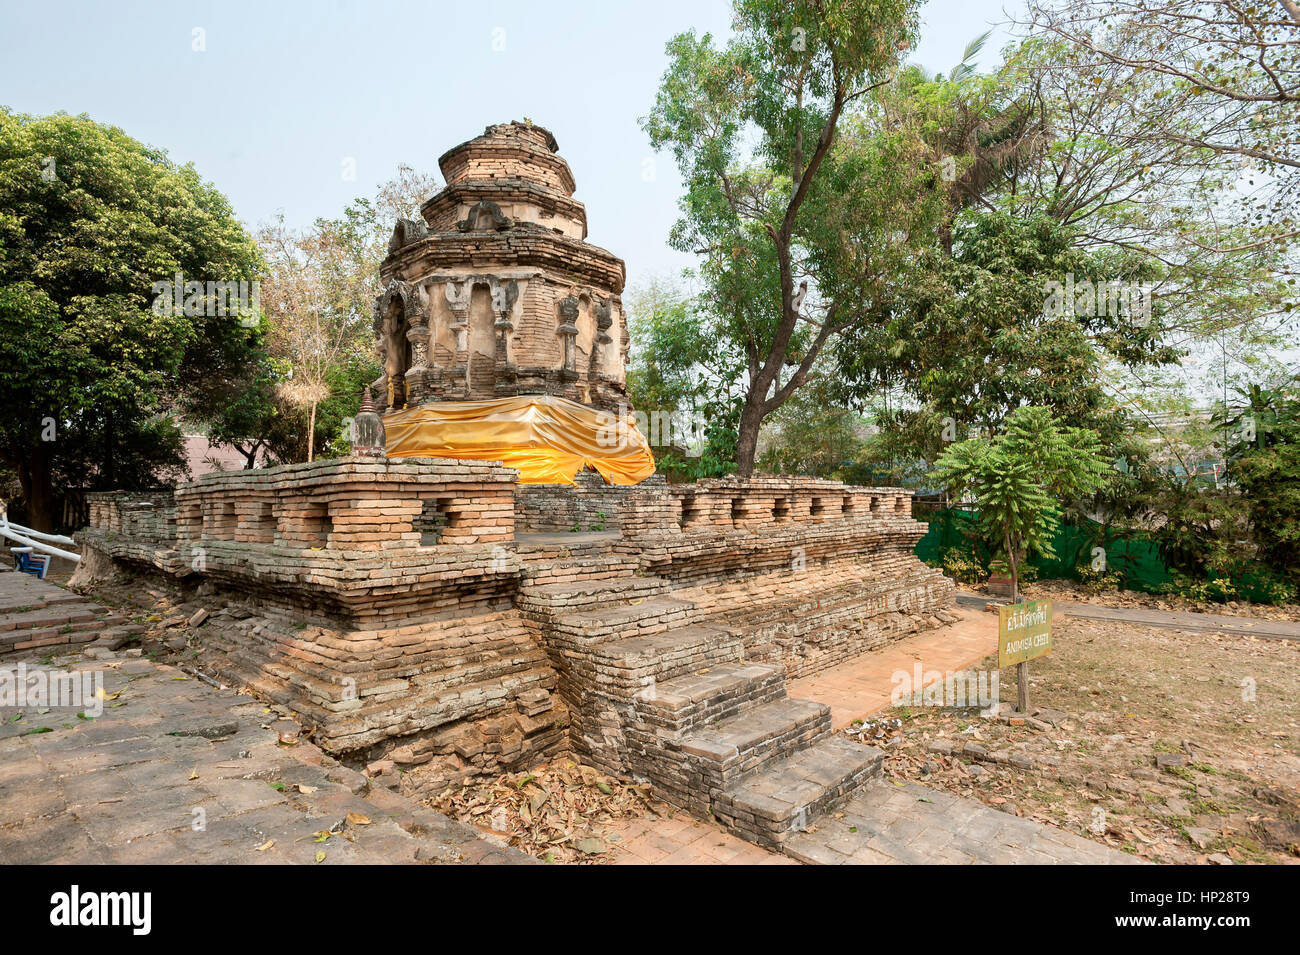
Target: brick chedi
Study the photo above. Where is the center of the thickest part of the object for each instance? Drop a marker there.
(494, 292)
(436, 612)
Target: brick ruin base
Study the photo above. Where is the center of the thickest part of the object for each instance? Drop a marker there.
(590, 505)
(393, 606)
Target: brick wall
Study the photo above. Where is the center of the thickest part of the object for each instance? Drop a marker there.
(384, 604)
(378, 596)
(588, 505)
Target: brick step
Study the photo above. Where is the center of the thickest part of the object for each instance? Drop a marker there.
(589, 594)
(648, 616)
(74, 633)
(686, 771)
(12, 599)
(631, 664)
(812, 601)
(675, 707)
(768, 806)
(559, 546)
(726, 753)
(38, 619)
(564, 570)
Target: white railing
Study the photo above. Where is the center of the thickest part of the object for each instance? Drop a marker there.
(37, 540)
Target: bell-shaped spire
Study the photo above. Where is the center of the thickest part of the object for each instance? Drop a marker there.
(368, 429)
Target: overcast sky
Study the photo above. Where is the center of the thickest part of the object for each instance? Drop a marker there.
(283, 94)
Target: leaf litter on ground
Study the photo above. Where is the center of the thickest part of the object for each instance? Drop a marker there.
(556, 812)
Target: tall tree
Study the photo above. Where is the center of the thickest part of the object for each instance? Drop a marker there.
(91, 222)
(1227, 72)
(317, 297)
(800, 238)
(1062, 171)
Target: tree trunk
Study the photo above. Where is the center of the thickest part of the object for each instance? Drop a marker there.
(1015, 571)
(109, 473)
(311, 434)
(751, 417)
(38, 490)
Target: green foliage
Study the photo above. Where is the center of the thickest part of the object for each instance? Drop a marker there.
(1213, 590)
(1019, 478)
(972, 340)
(682, 369)
(1098, 581)
(791, 180)
(963, 568)
(322, 281)
(811, 434)
(1264, 462)
(90, 219)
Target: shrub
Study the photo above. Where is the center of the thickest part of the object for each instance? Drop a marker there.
(962, 567)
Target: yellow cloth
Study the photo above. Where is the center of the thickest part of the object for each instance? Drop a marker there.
(548, 439)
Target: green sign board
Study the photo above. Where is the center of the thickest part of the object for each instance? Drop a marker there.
(1024, 632)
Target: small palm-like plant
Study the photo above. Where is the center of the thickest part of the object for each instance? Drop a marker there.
(1020, 478)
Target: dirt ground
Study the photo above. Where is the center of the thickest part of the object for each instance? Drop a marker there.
(1178, 747)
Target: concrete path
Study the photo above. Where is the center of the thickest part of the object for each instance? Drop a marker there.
(1165, 619)
(175, 771)
(889, 824)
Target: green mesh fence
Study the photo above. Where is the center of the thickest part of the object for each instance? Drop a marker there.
(1134, 557)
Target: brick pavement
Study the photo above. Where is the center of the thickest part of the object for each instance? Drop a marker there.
(889, 824)
(176, 771)
(681, 839)
(861, 687)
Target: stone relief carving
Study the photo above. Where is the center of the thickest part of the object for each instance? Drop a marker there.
(504, 295)
(485, 216)
(405, 232)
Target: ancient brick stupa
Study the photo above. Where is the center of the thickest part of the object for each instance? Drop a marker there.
(434, 615)
(502, 333)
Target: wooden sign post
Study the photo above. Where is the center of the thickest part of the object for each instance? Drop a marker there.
(1024, 632)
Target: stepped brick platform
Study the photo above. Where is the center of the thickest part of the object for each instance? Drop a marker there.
(394, 608)
(37, 618)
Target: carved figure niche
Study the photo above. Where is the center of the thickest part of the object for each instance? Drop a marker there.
(397, 352)
(482, 343)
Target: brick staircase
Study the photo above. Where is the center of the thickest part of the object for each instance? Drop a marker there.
(659, 690)
(36, 617)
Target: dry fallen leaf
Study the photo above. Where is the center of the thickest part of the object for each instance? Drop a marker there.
(356, 819)
(266, 845)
